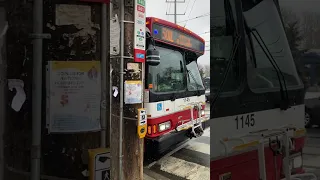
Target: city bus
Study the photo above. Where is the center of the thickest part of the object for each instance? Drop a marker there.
(257, 107)
(174, 96)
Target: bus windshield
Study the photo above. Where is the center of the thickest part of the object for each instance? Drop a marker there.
(264, 17)
(223, 36)
(194, 78)
(170, 74)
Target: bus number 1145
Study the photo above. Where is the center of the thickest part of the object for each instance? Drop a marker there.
(243, 121)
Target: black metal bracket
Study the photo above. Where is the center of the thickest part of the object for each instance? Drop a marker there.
(40, 36)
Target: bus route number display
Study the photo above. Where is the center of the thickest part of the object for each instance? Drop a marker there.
(176, 37)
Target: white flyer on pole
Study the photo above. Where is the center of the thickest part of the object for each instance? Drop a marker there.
(74, 96)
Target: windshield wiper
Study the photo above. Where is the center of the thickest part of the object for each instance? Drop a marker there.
(194, 79)
(225, 75)
(230, 24)
(283, 87)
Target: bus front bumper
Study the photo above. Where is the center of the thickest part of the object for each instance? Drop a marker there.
(167, 141)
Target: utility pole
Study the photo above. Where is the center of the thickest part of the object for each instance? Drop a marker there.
(3, 86)
(126, 148)
(175, 2)
(37, 90)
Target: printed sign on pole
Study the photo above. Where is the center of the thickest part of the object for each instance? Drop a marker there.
(140, 31)
(142, 124)
(73, 96)
(99, 164)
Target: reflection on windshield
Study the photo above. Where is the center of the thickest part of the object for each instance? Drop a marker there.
(194, 79)
(168, 76)
(264, 17)
(223, 36)
(171, 74)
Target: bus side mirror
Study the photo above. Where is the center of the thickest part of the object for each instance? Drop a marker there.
(153, 57)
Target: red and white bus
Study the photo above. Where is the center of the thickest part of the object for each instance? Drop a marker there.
(257, 109)
(174, 92)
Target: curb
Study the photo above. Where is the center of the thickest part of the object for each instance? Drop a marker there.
(153, 175)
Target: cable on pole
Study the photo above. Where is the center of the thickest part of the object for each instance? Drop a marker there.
(197, 17)
(190, 12)
(187, 6)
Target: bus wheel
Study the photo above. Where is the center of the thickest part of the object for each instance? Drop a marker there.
(307, 119)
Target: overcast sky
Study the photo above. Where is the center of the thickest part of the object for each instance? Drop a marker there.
(192, 9)
(201, 26)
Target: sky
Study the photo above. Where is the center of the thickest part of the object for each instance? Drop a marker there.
(192, 9)
(201, 26)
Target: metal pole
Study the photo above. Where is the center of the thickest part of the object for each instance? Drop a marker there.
(286, 166)
(3, 87)
(121, 86)
(36, 90)
(175, 11)
(103, 74)
(110, 80)
(262, 162)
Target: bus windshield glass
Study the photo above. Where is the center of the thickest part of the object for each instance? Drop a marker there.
(264, 17)
(170, 74)
(194, 78)
(223, 36)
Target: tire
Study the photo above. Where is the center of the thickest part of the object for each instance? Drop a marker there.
(307, 119)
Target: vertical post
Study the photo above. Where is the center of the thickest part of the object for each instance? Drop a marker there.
(121, 86)
(286, 166)
(126, 145)
(110, 76)
(108, 81)
(175, 11)
(36, 90)
(103, 74)
(262, 162)
(175, 14)
(3, 87)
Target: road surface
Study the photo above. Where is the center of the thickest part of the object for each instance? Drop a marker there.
(191, 162)
(311, 152)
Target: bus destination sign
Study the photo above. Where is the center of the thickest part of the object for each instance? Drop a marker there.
(177, 37)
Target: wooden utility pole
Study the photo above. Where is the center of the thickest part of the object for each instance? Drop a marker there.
(175, 14)
(127, 162)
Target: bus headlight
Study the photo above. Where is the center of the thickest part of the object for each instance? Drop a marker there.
(203, 113)
(164, 126)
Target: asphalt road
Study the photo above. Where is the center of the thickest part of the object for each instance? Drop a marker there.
(311, 152)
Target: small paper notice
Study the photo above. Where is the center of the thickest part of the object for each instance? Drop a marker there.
(115, 91)
(114, 36)
(20, 97)
(133, 92)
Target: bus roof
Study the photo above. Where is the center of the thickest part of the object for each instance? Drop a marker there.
(151, 20)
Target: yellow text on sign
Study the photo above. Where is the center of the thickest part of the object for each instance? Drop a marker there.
(142, 123)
